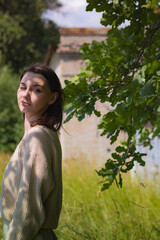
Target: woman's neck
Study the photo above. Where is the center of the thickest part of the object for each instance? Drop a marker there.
(28, 120)
(27, 125)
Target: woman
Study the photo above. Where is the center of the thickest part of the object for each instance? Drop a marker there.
(31, 196)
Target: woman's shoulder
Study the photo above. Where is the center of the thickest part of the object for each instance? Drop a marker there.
(40, 130)
(39, 133)
(40, 141)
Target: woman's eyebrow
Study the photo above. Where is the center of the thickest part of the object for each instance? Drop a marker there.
(22, 83)
(35, 84)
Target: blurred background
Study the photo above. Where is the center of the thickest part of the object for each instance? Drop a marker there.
(73, 14)
(52, 32)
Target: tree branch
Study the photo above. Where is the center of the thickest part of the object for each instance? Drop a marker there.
(147, 42)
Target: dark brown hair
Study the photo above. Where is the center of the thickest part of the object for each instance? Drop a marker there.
(52, 117)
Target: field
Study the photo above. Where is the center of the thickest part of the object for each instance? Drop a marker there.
(130, 213)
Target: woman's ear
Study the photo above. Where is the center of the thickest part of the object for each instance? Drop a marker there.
(53, 98)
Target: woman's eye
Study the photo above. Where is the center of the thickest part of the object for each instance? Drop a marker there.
(22, 87)
(38, 90)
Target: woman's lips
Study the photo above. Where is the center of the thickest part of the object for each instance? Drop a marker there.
(25, 103)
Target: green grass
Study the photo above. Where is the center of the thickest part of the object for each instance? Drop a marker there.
(4, 157)
(130, 213)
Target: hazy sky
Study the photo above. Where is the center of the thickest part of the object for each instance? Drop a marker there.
(73, 14)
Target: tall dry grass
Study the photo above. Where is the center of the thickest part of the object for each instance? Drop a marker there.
(4, 158)
(130, 213)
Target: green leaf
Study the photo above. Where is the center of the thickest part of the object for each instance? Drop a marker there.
(105, 186)
(120, 180)
(81, 117)
(120, 149)
(69, 117)
(116, 156)
(146, 91)
(97, 113)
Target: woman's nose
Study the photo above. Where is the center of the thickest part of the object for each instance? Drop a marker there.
(26, 93)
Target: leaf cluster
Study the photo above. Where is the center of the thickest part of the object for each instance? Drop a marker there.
(122, 70)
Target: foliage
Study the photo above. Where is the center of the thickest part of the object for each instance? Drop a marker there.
(10, 117)
(24, 35)
(124, 71)
(89, 214)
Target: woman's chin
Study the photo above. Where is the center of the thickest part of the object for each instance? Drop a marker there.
(24, 110)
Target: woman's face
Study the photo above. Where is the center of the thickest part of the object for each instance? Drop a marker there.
(34, 95)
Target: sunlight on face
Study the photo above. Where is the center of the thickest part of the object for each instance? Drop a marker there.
(34, 95)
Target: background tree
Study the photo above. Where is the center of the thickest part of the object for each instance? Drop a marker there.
(10, 117)
(123, 70)
(24, 35)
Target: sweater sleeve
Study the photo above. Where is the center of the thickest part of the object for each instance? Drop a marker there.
(35, 186)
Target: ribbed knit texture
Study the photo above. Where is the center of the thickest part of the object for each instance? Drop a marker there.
(31, 196)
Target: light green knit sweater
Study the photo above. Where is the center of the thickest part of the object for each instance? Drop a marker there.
(31, 196)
